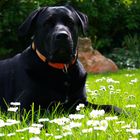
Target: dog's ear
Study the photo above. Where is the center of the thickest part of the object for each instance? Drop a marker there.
(82, 19)
(27, 28)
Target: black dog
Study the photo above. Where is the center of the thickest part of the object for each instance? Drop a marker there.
(48, 71)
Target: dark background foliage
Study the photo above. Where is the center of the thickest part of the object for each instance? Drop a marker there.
(112, 24)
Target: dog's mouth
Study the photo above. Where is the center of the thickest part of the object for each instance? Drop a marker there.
(61, 56)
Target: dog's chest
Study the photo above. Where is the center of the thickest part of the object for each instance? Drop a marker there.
(47, 86)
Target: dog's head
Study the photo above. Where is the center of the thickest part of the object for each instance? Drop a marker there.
(54, 31)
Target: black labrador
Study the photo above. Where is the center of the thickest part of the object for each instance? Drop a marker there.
(48, 71)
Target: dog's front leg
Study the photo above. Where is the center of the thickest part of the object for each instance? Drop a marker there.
(71, 107)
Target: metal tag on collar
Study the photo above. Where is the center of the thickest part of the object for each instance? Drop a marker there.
(65, 70)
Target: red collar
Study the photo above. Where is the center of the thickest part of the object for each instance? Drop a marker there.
(54, 65)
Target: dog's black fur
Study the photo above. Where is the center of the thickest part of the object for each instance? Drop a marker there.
(26, 78)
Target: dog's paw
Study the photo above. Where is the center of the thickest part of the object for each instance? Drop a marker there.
(114, 110)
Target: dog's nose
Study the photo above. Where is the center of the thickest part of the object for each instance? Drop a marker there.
(62, 36)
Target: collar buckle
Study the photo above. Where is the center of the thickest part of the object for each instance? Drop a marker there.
(65, 69)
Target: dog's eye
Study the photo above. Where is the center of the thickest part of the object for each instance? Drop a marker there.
(50, 22)
(69, 23)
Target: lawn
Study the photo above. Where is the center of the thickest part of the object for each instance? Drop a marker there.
(121, 89)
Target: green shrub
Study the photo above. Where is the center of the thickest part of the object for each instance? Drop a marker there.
(129, 55)
(5, 52)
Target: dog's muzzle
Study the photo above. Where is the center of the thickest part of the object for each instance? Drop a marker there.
(62, 48)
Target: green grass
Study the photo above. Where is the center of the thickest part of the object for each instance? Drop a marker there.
(120, 89)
